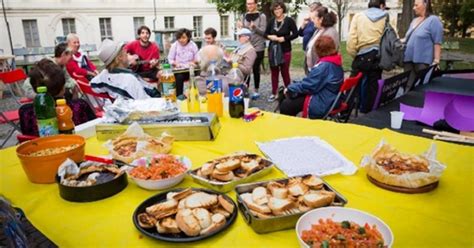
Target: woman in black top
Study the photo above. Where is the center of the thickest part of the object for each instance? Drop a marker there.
(281, 30)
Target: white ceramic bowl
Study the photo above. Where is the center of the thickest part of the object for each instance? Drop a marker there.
(340, 214)
(161, 184)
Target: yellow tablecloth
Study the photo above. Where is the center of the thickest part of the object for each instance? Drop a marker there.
(441, 218)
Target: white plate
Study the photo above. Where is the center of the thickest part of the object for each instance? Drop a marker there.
(161, 183)
(340, 214)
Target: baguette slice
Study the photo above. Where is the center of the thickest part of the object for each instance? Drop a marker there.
(313, 182)
(278, 206)
(259, 195)
(228, 165)
(229, 207)
(247, 198)
(188, 223)
(319, 199)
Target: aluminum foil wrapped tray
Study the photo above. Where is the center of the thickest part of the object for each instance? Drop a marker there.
(146, 110)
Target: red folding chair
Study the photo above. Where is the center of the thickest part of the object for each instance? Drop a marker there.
(12, 79)
(347, 89)
(10, 118)
(90, 94)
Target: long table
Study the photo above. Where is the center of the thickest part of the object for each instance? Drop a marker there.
(440, 218)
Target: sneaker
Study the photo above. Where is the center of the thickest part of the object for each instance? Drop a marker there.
(255, 95)
(272, 98)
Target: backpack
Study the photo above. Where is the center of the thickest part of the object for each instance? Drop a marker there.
(392, 49)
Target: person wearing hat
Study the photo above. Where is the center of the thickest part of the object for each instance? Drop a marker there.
(116, 79)
(363, 42)
(244, 54)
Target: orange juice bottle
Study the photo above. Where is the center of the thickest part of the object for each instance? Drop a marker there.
(64, 115)
(214, 92)
(168, 83)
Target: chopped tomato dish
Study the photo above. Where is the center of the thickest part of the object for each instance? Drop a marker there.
(327, 233)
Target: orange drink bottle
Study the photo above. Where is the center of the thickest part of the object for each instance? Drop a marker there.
(64, 115)
(214, 91)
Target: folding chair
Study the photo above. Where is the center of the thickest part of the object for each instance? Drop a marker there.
(12, 79)
(90, 94)
(10, 117)
(343, 112)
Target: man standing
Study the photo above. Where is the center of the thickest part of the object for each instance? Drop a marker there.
(363, 45)
(147, 54)
(257, 23)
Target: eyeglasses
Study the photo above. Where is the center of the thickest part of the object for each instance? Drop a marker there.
(277, 8)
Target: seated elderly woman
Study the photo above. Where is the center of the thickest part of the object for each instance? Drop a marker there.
(322, 83)
(206, 55)
(48, 73)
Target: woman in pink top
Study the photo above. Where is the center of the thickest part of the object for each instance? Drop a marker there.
(182, 54)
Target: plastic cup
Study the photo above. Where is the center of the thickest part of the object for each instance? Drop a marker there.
(396, 119)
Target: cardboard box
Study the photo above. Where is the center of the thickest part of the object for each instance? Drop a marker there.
(186, 127)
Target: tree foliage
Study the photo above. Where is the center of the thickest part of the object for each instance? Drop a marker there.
(341, 7)
(238, 6)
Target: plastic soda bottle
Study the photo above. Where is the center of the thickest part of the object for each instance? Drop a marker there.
(168, 83)
(64, 115)
(193, 97)
(236, 92)
(45, 113)
(214, 91)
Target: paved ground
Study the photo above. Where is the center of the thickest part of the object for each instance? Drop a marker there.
(7, 102)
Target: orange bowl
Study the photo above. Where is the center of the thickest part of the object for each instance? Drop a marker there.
(43, 169)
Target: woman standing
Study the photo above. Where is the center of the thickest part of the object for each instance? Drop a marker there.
(182, 54)
(324, 21)
(256, 22)
(423, 39)
(281, 30)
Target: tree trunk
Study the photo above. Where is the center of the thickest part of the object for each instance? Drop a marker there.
(406, 18)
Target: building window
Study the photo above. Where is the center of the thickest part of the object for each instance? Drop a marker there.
(197, 25)
(169, 21)
(30, 28)
(224, 26)
(105, 28)
(138, 22)
(69, 26)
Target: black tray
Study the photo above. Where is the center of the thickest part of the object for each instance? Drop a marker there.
(94, 192)
(180, 237)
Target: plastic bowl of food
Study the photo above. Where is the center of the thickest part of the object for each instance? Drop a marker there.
(159, 172)
(340, 222)
(41, 158)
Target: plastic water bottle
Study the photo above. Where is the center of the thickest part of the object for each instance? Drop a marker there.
(236, 92)
(64, 115)
(45, 113)
(214, 91)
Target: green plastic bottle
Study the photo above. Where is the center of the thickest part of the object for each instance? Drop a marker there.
(45, 113)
